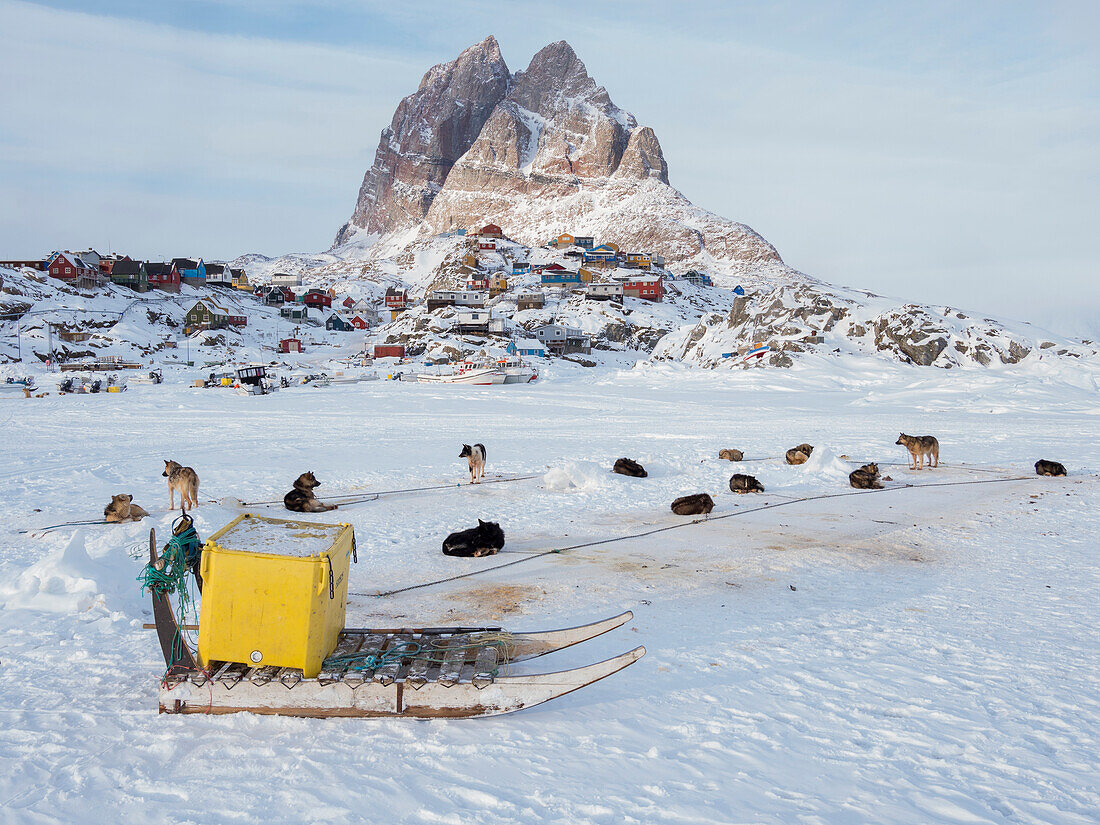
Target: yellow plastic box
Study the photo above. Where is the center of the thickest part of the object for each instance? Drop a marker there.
(274, 592)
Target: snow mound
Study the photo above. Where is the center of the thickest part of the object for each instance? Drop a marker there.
(576, 476)
(62, 582)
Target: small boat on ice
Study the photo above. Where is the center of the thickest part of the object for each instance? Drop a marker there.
(466, 372)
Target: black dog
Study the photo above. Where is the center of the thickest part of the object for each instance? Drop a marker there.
(697, 504)
(484, 540)
(740, 483)
(1049, 468)
(629, 467)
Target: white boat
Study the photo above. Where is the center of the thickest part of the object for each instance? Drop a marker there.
(18, 385)
(466, 372)
(517, 371)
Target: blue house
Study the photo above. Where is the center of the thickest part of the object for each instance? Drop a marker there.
(738, 290)
(520, 267)
(190, 272)
(603, 252)
(560, 276)
(527, 346)
(694, 276)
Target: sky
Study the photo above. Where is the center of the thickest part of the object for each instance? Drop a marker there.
(941, 152)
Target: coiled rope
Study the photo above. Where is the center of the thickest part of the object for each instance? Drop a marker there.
(666, 528)
(168, 575)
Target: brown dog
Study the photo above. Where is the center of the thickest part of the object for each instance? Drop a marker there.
(920, 446)
(697, 504)
(799, 454)
(865, 478)
(122, 509)
(302, 500)
(184, 479)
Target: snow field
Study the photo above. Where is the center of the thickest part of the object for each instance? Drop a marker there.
(934, 662)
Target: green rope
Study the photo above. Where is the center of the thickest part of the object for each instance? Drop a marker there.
(168, 575)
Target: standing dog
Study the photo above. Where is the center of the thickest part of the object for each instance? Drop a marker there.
(865, 478)
(475, 457)
(184, 479)
(122, 509)
(301, 498)
(920, 446)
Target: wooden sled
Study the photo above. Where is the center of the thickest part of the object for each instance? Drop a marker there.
(457, 679)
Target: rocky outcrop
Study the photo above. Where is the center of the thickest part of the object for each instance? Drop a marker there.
(539, 152)
(431, 129)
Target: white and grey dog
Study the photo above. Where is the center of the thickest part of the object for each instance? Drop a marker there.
(475, 456)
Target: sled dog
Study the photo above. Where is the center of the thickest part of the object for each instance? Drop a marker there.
(475, 457)
(865, 478)
(629, 467)
(697, 504)
(484, 540)
(123, 509)
(741, 483)
(920, 446)
(799, 454)
(184, 479)
(301, 498)
(1049, 468)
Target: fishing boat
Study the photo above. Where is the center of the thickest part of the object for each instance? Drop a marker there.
(466, 372)
(517, 371)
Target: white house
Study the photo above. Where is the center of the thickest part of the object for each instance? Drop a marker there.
(286, 279)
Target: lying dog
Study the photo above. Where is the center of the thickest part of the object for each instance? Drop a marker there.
(301, 498)
(799, 454)
(740, 483)
(184, 479)
(698, 504)
(1049, 468)
(629, 467)
(484, 540)
(122, 509)
(731, 455)
(920, 446)
(865, 478)
(475, 457)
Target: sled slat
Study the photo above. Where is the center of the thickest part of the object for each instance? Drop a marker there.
(418, 673)
(372, 642)
(290, 676)
(230, 673)
(262, 675)
(387, 674)
(349, 643)
(484, 665)
(455, 655)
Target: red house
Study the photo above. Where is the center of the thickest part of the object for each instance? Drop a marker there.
(74, 270)
(317, 299)
(478, 280)
(538, 270)
(288, 294)
(487, 245)
(359, 322)
(162, 276)
(648, 287)
(290, 345)
(397, 298)
(348, 302)
(491, 230)
(389, 350)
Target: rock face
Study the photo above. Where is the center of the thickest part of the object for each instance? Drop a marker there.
(539, 152)
(431, 129)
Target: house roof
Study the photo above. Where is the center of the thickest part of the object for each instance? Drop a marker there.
(185, 263)
(528, 343)
(126, 267)
(216, 269)
(394, 292)
(157, 268)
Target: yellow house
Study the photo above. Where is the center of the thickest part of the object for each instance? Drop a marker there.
(240, 280)
(565, 239)
(497, 283)
(470, 260)
(638, 259)
(586, 275)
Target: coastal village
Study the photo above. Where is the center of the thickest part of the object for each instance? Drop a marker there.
(491, 288)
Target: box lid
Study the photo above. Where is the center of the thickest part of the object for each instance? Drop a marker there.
(278, 537)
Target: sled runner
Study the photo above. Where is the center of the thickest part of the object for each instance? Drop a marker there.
(418, 673)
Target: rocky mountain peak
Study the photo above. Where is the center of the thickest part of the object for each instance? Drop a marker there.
(431, 129)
